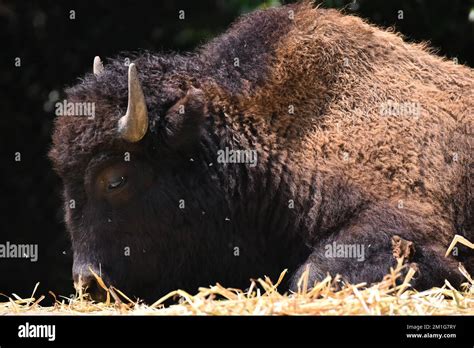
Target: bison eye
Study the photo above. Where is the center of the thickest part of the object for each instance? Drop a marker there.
(116, 183)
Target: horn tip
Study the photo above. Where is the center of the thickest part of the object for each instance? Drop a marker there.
(98, 67)
(132, 67)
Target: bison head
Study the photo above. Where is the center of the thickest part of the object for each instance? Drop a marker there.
(138, 189)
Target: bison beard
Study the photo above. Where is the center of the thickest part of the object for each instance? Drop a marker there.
(149, 204)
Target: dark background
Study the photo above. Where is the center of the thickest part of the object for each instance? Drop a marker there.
(55, 50)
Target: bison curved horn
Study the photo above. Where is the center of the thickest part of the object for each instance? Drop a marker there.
(133, 126)
(98, 67)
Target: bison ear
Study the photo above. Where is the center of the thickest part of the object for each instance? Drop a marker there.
(183, 120)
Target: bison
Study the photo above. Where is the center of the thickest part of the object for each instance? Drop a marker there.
(301, 138)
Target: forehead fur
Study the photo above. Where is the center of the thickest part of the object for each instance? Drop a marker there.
(76, 138)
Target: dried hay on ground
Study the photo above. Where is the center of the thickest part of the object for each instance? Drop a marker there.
(329, 297)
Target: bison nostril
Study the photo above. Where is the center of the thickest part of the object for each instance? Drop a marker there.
(96, 292)
(88, 284)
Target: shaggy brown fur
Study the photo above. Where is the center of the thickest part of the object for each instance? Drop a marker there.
(308, 94)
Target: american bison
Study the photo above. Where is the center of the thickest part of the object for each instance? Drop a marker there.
(299, 138)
